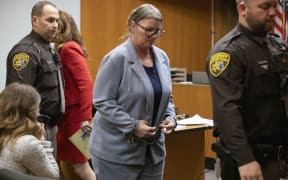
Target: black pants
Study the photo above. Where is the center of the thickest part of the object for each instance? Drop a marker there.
(229, 170)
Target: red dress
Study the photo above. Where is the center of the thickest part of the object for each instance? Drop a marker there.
(78, 100)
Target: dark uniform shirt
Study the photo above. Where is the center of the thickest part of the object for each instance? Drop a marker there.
(30, 61)
(247, 104)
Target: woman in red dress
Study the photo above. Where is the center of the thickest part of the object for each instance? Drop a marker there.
(78, 96)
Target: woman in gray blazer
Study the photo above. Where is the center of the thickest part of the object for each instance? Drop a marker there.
(132, 95)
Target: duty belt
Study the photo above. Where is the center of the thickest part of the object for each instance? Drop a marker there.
(268, 152)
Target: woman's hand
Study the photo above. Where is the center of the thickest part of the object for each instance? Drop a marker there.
(86, 127)
(144, 130)
(42, 125)
(167, 126)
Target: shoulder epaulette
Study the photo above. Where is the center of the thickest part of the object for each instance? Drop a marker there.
(277, 41)
(234, 35)
(273, 34)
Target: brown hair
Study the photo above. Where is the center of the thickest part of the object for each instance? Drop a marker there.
(37, 9)
(68, 31)
(19, 108)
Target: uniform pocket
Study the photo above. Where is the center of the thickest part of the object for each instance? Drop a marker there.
(264, 81)
(49, 76)
(49, 67)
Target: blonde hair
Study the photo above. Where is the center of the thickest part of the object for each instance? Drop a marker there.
(19, 107)
(68, 31)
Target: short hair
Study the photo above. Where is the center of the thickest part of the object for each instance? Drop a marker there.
(37, 9)
(68, 31)
(144, 11)
(238, 1)
(19, 104)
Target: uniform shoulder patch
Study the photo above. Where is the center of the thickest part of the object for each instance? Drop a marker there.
(20, 61)
(218, 63)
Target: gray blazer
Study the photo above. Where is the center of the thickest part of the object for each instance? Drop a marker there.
(123, 94)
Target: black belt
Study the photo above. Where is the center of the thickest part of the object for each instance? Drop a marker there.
(133, 139)
(269, 152)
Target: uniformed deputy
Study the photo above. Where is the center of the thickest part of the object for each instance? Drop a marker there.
(249, 111)
(31, 61)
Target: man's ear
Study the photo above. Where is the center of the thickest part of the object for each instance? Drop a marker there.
(242, 8)
(35, 20)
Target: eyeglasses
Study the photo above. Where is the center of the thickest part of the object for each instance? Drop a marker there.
(151, 31)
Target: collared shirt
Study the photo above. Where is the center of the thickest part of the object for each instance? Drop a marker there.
(30, 61)
(247, 103)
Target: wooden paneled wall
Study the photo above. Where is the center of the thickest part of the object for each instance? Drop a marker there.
(225, 17)
(187, 23)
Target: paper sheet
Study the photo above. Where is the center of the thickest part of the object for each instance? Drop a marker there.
(195, 120)
(81, 142)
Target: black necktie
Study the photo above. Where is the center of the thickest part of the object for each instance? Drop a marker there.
(56, 59)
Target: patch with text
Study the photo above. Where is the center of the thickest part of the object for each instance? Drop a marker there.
(20, 61)
(218, 63)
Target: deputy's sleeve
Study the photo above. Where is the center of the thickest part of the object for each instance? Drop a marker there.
(21, 67)
(227, 74)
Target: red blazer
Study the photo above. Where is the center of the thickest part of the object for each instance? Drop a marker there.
(78, 82)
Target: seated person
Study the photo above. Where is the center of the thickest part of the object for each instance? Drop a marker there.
(22, 145)
(6, 174)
